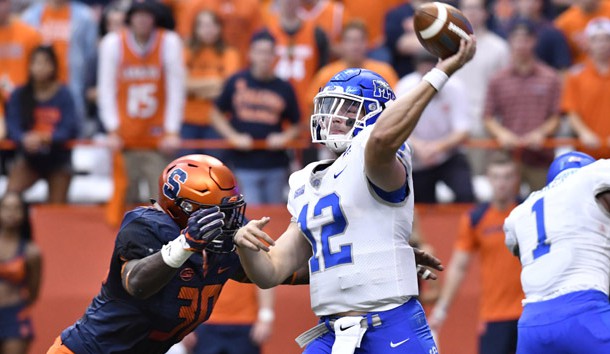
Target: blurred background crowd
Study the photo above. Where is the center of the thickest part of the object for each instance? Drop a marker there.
(98, 96)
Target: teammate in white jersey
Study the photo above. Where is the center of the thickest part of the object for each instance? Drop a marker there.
(352, 218)
(562, 236)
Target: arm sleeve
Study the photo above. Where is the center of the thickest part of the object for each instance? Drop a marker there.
(67, 127)
(175, 82)
(137, 240)
(323, 47)
(13, 117)
(466, 238)
(600, 176)
(107, 84)
(291, 112)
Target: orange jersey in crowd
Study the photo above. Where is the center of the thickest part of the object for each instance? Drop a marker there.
(372, 13)
(327, 72)
(237, 304)
(328, 15)
(17, 41)
(207, 63)
(482, 230)
(572, 23)
(56, 31)
(297, 57)
(587, 93)
(240, 19)
(141, 91)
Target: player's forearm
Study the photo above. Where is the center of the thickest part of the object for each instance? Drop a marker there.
(144, 277)
(259, 268)
(397, 122)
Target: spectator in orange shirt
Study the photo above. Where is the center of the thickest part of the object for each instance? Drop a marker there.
(573, 21)
(209, 61)
(329, 15)
(372, 14)
(354, 38)
(240, 19)
(480, 230)
(301, 49)
(586, 95)
(41, 117)
(70, 27)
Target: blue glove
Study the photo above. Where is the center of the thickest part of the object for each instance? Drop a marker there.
(203, 226)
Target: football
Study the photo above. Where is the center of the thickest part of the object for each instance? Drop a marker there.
(440, 27)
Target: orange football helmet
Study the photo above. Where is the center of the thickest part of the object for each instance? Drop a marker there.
(198, 181)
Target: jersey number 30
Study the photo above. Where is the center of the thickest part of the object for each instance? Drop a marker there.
(331, 228)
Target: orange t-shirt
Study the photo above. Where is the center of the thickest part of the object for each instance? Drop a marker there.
(586, 93)
(327, 72)
(573, 22)
(240, 19)
(329, 15)
(482, 230)
(141, 92)
(207, 63)
(297, 57)
(56, 30)
(372, 13)
(237, 304)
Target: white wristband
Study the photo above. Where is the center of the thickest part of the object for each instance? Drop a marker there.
(174, 253)
(437, 78)
(266, 315)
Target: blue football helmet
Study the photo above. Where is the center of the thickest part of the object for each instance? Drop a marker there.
(573, 159)
(350, 101)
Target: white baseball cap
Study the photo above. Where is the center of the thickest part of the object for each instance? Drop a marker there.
(599, 25)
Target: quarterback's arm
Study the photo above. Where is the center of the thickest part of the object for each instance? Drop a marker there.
(397, 122)
(276, 263)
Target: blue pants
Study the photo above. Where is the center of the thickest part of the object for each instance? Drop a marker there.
(402, 330)
(574, 323)
(499, 338)
(224, 339)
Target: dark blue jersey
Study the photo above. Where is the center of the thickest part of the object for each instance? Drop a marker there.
(116, 322)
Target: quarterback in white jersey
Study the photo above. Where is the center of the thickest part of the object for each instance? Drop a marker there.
(352, 218)
(562, 236)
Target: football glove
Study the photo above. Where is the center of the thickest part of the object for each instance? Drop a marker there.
(203, 226)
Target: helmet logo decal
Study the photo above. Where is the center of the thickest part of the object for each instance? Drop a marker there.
(171, 187)
(383, 90)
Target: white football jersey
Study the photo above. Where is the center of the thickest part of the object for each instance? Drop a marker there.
(563, 235)
(361, 259)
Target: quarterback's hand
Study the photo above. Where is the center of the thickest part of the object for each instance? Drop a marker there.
(423, 260)
(250, 235)
(203, 226)
(466, 52)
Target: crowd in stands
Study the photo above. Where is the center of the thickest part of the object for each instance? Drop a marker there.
(149, 78)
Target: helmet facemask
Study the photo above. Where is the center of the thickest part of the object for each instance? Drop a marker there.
(234, 208)
(339, 116)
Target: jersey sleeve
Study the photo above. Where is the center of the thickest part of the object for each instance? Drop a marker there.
(600, 176)
(137, 240)
(466, 238)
